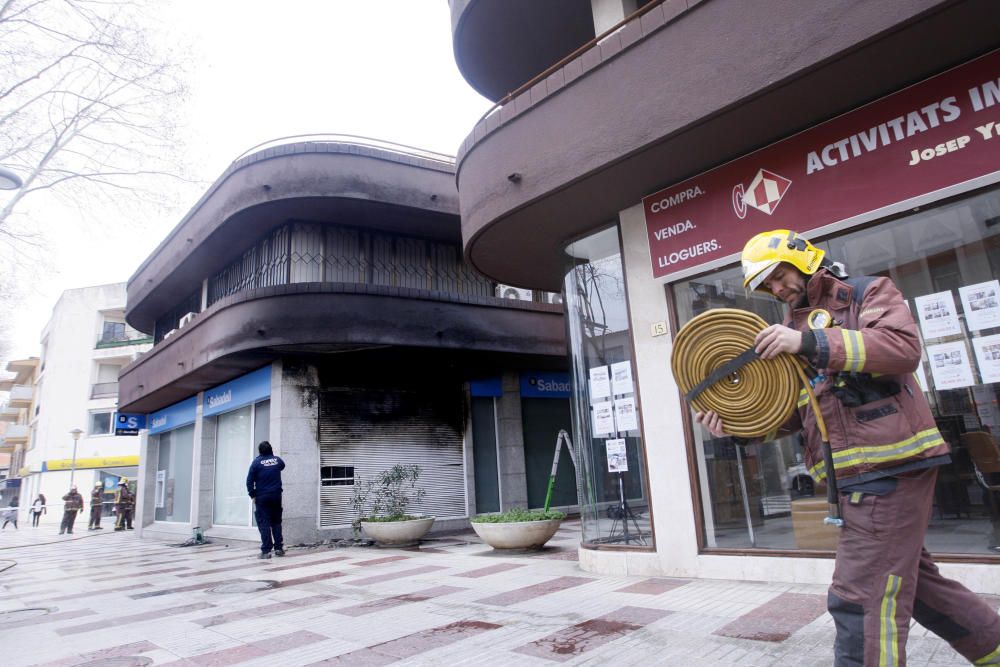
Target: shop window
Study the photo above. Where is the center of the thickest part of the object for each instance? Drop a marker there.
(175, 452)
(99, 423)
(611, 463)
(946, 263)
(237, 434)
(337, 475)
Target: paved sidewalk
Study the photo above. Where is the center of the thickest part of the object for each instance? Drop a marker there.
(107, 598)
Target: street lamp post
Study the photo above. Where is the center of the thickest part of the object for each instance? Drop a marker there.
(76, 433)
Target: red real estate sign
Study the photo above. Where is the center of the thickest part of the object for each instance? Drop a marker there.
(932, 135)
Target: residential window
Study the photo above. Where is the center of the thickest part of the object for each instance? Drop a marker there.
(113, 331)
(99, 423)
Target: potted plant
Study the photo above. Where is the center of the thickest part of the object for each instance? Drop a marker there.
(381, 503)
(517, 528)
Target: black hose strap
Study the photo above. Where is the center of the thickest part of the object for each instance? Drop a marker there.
(722, 371)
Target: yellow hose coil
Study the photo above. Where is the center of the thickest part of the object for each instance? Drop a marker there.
(753, 400)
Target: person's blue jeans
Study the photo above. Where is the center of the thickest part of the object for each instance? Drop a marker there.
(269, 523)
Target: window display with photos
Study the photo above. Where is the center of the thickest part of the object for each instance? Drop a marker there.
(611, 464)
(946, 262)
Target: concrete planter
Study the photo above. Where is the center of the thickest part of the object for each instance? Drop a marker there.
(517, 535)
(397, 533)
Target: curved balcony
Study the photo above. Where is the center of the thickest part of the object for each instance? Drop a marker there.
(500, 44)
(681, 89)
(369, 183)
(243, 331)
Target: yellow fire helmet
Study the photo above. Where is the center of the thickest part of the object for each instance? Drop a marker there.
(768, 249)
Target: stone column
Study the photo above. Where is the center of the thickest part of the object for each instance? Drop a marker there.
(204, 463)
(510, 444)
(199, 478)
(145, 501)
(295, 438)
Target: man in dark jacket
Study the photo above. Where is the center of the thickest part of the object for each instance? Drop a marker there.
(264, 486)
(859, 336)
(72, 504)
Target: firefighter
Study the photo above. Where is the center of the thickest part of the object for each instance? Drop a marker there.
(124, 503)
(96, 506)
(859, 336)
(72, 504)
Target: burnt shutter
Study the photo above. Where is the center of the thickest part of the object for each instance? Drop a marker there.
(371, 430)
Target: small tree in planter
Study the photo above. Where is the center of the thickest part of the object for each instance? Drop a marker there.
(381, 504)
(517, 528)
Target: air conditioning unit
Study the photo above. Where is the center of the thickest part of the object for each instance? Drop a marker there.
(187, 318)
(169, 334)
(508, 292)
(552, 297)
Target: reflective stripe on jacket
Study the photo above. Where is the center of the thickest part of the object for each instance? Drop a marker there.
(872, 333)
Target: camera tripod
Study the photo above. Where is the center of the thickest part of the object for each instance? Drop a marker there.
(622, 514)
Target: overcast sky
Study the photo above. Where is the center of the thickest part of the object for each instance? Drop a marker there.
(264, 70)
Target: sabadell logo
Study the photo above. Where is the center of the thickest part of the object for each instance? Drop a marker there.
(549, 385)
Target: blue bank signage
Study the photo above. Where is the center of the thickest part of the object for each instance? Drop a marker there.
(488, 387)
(174, 416)
(244, 390)
(129, 424)
(545, 385)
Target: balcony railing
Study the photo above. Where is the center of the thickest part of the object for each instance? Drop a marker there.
(122, 342)
(350, 140)
(21, 395)
(104, 389)
(17, 433)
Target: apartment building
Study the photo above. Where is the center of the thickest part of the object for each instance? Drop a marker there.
(15, 424)
(70, 436)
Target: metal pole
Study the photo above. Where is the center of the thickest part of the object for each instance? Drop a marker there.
(72, 465)
(743, 491)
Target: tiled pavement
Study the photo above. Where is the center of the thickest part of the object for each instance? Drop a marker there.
(112, 599)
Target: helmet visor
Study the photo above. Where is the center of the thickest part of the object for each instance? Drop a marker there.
(762, 274)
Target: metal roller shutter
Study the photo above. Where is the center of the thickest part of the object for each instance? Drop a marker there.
(373, 429)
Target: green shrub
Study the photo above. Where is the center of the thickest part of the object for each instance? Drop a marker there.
(517, 514)
(386, 496)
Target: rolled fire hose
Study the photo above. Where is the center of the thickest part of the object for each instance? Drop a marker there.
(717, 368)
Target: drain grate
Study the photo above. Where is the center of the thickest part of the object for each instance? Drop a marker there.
(118, 661)
(22, 614)
(244, 587)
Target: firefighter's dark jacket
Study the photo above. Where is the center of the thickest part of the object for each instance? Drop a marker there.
(873, 343)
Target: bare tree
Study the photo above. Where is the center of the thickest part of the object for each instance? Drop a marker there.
(87, 103)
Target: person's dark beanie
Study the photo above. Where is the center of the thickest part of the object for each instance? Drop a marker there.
(264, 448)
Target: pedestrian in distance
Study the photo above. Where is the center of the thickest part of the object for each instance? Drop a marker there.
(96, 506)
(124, 503)
(10, 514)
(862, 343)
(72, 505)
(264, 486)
(37, 510)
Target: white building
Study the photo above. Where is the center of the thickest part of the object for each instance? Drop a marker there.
(84, 346)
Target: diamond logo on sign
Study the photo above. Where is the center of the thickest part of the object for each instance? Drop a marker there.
(766, 190)
(764, 193)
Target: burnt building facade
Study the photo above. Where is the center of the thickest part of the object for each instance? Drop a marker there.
(317, 297)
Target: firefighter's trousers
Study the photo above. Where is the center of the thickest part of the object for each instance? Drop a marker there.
(884, 577)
